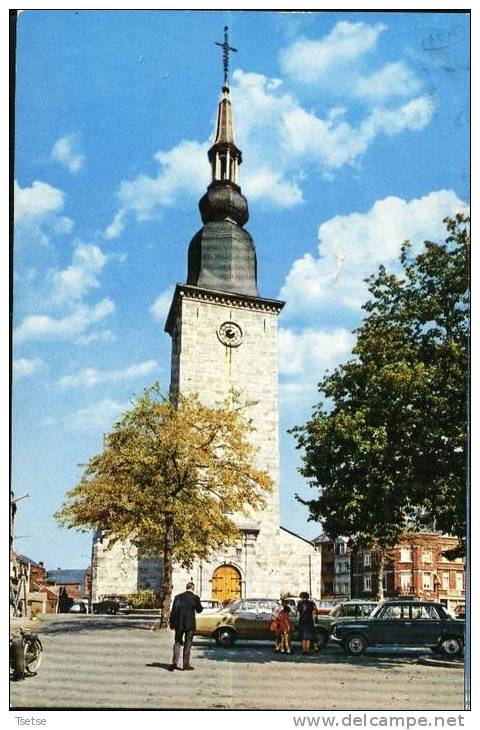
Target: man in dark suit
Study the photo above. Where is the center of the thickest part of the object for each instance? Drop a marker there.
(182, 621)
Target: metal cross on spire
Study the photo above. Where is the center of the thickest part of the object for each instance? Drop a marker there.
(226, 50)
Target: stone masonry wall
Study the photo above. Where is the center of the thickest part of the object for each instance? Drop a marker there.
(202, 364)
(275, 560)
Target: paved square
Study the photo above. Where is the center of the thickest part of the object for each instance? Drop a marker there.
(117, 662)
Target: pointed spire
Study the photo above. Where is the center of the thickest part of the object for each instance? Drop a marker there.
(221, 256)
(224, 130)
(224, 155)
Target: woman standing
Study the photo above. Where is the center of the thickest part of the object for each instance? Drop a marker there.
(306, 627)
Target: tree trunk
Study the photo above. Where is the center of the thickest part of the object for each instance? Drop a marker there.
(166, 594)
(167, 577)
(380, 572)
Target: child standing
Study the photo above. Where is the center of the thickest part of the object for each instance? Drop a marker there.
(284, 630)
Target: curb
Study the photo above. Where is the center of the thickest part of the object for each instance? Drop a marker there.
(431, 661)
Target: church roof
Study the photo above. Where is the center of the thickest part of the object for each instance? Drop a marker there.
(295, 534)
(221, 255)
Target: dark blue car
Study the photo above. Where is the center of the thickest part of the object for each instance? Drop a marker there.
(410, 623)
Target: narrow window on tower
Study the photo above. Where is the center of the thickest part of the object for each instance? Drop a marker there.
(223, 167)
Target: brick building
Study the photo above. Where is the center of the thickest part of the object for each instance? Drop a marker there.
(336, 567)
(416, 566)
(40, 597)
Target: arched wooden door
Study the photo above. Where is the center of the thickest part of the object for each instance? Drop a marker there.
(226, 583)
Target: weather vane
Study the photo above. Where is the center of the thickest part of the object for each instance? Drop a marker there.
(226, 50)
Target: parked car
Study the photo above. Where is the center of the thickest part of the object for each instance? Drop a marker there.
(344, 611)
(111, 606)
(412, 623)
(325, 607)
(292, 602)
(245, 618)
(78, 607)
(211, 604)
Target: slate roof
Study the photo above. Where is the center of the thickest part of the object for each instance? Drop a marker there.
(66, 576)
(25, 559)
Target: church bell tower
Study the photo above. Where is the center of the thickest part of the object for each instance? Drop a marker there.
(224, 337)
(224, 334)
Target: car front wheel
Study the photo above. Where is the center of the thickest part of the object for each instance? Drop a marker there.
(225, 637)
(452, 646)
(355, 644)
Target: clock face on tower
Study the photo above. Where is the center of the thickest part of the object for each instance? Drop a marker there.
(230, 334)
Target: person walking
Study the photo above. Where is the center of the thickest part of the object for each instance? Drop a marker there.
(306, 627)
(182, 621)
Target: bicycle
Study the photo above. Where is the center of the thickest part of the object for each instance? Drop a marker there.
(25, 654)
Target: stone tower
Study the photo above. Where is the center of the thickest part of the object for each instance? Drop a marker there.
(224, 337)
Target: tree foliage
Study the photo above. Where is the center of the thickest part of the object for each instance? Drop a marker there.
(169, 478)
(388, 451)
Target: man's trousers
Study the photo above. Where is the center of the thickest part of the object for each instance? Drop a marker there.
(185, 639)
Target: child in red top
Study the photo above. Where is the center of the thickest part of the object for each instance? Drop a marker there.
(284, 630)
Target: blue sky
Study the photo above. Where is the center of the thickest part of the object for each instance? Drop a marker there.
(354, 129)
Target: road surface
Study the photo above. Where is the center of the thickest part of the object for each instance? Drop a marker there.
(118, 662)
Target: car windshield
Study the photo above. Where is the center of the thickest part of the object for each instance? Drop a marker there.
(233, 606)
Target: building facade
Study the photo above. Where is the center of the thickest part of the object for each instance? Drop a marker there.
(224, 339)
(336, 568)
(417, 566)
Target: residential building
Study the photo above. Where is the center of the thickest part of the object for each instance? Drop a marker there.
(417, 566)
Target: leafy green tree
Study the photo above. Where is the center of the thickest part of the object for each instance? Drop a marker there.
(169, 478)
(387, 448)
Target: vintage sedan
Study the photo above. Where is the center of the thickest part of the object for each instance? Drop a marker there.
(410, 623)
(345, 611)
(245, 618)
(112, 606)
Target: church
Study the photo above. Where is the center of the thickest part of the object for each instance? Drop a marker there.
(224, 337)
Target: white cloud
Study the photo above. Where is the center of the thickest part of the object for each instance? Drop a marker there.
(66, 151)
(304, 356)
(311, 61)
(353, 246)
(36, 201)
(339, 61)
(101, 336)
(272, 125)
(98, 416)
(280, 139)
(23, 367)
(394, 79)
(36, 211)
(333, 142)
(161, 306)
(62, 225)
(71, 284)
(311, 350)
(69, 327)
(116, 227)
(89, 377)
(270, 186)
